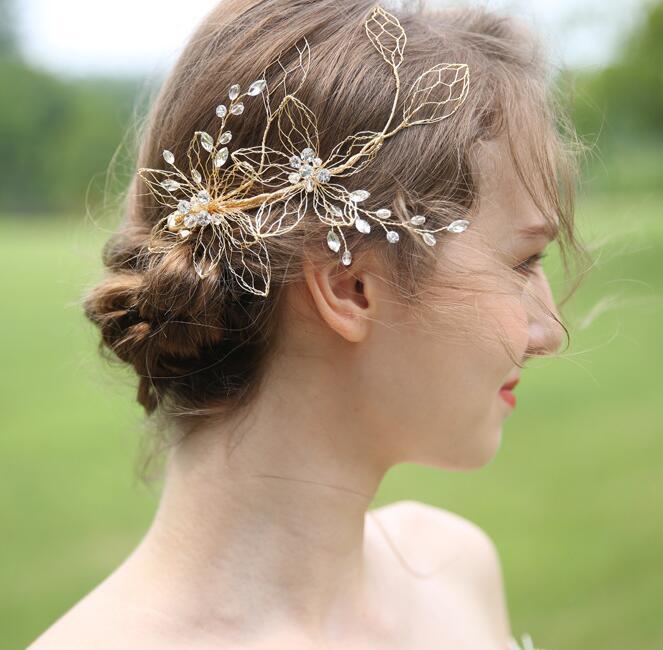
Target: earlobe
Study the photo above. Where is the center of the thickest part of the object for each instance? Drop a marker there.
(340, 296)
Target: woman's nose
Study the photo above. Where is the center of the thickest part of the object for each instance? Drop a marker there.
(546, 332)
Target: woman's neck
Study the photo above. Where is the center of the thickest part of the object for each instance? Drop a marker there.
(262, 524)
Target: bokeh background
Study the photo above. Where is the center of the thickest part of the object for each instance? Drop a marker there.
(573, 499)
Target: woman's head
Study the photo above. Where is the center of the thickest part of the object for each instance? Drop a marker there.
(422, 337)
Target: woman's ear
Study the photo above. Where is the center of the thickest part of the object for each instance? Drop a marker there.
(345, 297)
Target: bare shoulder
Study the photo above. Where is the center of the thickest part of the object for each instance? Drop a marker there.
(100, 622)
(435, 538)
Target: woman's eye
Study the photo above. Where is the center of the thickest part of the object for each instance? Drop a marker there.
(526, 267)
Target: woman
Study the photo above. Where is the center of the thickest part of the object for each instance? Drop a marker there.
(285, 383)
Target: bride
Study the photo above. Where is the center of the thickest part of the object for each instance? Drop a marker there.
(368, 297)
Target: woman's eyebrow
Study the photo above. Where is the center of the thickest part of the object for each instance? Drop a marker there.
(544, 229)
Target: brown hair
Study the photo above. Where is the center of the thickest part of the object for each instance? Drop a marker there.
(201, 347)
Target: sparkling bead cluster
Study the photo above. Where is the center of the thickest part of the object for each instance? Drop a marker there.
(392, 236)
(309, 167)
(197, 211)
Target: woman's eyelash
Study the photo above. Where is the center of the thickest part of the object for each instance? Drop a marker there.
(526, 266)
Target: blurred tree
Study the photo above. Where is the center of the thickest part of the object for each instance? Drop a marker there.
(8, 40)
(625, 99)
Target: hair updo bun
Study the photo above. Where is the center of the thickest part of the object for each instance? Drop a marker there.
(202, 344)
(182, 334)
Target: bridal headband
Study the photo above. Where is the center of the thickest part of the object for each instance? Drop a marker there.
(231, 202)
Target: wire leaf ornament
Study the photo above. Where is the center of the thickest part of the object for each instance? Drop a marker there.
(226, 204)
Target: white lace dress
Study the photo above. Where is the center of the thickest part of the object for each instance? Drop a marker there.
(527, 643)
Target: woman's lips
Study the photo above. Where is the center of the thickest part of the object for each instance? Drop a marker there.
(508, 396)
(506, 392)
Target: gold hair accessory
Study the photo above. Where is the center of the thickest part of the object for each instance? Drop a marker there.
(212, 204)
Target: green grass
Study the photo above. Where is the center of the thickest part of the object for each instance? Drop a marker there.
(571, 500)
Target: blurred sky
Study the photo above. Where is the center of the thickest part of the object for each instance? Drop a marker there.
(144, 36)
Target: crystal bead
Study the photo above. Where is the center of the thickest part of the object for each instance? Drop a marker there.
(359, 195)
(309, 185)
(190, 220)
(323, 175)
(233, 92)
(294, 178)
(362, 225)
(237, 109)
(383, 213)
(206, 141)
(295, 161)
(221, 156)
(184, 233)
(429, 239)
(460, 225)
(204, 196)
(170, 185)
(392, 236)
(204, 218)
(333, 241)
(195, 174)
(418, 220)
(221, 110)
(183, 207)
(336, 211)
(225, 137)
(168, 157)
(308, 154)
(306, 171)
(257, 87)
(347, 258)
(317, 161)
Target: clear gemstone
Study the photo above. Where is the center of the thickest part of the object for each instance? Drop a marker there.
(359, 195)
(333, 241)
(257, 87)
(429, 239)
(195, 174)
(183, 207)
(460, 225)
(190, 220)
(204, 218)
(383, 213)
(306, 170)
(317, 162)
(221, 110)
(233, 92)
(168, 157)
(309, 185)
(204, 196)
(418, 220)
(221, 156)
(362, 225)
(184, 233)
(170, 185)
(308, 154)
(336, 211)
(347, 258)
(237, 109)
(323, 175)
(206, 141)
(225, 137)
(295, 161)
(392, 236)
(294, 178)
